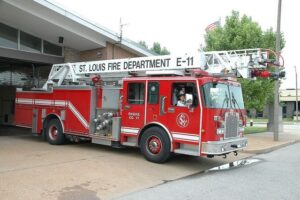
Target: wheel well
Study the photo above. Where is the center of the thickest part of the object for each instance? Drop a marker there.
(154, 125)
(50, 117)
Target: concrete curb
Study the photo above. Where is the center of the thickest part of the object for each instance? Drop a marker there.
(270, 149)
(284, 123)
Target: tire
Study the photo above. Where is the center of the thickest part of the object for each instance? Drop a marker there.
(155, 145)
(54, 132)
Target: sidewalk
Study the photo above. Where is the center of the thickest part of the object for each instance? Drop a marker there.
(264, 142)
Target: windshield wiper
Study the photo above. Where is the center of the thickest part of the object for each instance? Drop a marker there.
(226, 100)
(235, 104)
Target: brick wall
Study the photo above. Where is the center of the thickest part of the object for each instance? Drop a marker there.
(114, 51)
(111, 51)
(94, 54)
(71, 55)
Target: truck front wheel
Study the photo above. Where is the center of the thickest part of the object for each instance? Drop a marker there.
(155, 145)
(54, 132)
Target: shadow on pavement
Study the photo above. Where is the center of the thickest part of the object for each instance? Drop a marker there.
(14, 131)
(176, 159)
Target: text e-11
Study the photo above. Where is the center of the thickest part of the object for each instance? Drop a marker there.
(189, 61)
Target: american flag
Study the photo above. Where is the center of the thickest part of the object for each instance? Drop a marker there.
(212, 26)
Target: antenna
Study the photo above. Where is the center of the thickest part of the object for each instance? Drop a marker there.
(121, 30)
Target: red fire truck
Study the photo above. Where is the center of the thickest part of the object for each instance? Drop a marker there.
(187, 105)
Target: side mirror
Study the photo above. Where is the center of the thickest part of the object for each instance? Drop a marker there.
(189, 100)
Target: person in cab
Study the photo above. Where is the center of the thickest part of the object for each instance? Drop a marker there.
(181, 101)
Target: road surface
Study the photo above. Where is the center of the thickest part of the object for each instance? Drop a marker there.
(274, 176)
(32, 169)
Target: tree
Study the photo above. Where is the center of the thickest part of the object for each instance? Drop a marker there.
(156, 47)
(243, 33)
(240, 33)
(144, 44)
(165, 51)
(257, 93)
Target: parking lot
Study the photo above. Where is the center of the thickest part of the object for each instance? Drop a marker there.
(30, 168)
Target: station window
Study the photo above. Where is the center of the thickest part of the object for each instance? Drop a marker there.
(52, 49)
(30, 43)
(8, 36)
(136, 93)
(153, 92)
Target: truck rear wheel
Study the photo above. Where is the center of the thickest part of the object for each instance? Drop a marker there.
(155, 145)
(54, 132)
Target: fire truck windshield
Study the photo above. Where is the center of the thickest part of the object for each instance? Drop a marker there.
(220, 95)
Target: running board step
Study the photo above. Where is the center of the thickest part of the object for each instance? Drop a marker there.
(98, 140)
(187, 152)
(131, 144)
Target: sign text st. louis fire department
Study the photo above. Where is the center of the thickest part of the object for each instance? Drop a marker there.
(136, 64)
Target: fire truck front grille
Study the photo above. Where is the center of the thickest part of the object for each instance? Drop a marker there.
(231, 124)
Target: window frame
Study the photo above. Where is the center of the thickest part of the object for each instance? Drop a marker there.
(140, 101)
(194, 92)
(206, 99)
(23, 46)
(54, 45)
(155, 84)
(9, 28)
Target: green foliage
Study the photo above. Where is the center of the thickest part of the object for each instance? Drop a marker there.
(269, 40)
(257, 93)
(165, 51)
(243, 33)
(254, 129)
(240, 33)
(144, 44)
(156, 47)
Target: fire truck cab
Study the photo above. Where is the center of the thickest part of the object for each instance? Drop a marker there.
(210, 121)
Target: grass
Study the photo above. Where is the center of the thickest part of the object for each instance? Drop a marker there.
(254, 129)
(258, 119)
(288, 119)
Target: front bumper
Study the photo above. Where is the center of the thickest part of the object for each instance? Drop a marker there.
(224, 146)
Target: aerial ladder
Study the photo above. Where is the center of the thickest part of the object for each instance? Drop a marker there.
(244, 63)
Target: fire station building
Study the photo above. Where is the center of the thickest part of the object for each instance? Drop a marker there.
(36, 34)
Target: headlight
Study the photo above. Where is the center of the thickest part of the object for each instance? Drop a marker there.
(220, 131)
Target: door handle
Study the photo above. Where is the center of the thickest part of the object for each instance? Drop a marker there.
(162, 105)
(171, 110)
(127, 107)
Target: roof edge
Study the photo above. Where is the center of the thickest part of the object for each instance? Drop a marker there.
(113, 36)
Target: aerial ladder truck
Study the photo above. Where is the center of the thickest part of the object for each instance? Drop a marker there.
(189, 105)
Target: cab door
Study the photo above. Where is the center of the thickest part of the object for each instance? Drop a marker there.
(183, 121)
(133, 109)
